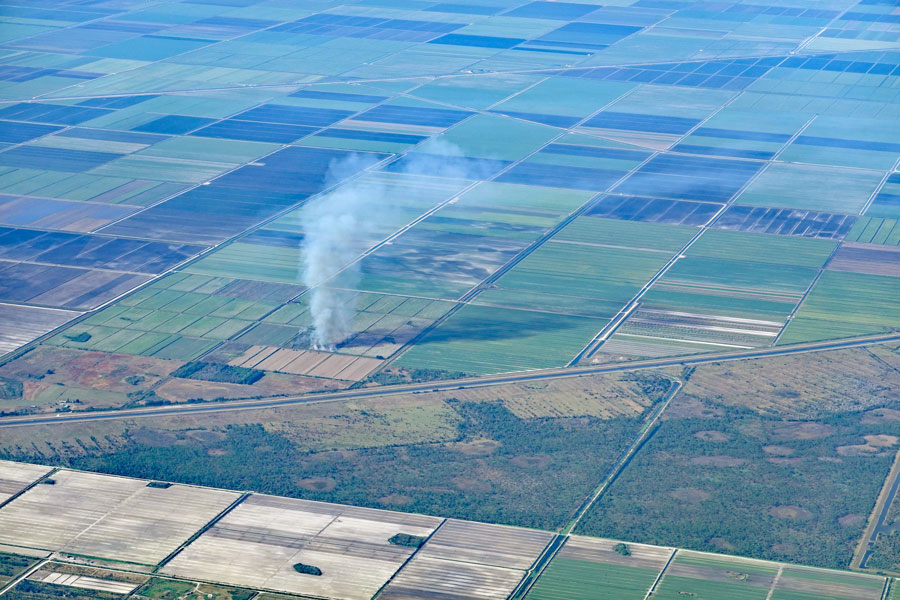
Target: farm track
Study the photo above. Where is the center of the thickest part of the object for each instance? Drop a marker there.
(437, 386)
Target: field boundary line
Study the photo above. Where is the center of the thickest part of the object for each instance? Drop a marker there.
(775, 582)
(37, 481)
(662, 572)
(893, 168)
(201, 531)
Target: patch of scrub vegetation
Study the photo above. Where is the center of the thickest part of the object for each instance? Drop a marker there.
(207, 371)
(305, 569)
(13, 564)
(886, 553)
(166, 589)
(434, 473)
(394, 376)
(622, 549)
(81, 336)
(406, 539)
(795, 499)
(10, 389)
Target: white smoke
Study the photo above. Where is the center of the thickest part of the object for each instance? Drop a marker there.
(340, 225)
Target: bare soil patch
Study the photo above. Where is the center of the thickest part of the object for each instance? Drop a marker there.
(851, 520)
(476, 486)
(217, 452)
(317, 484)
(881, 414)
(790, 511)
(530, 462)
(718, 461)
(153, 437)
(395, 500)
(687, 406)
(204, 436)
(801, 431)
(881, 440)
(712, 435)
(778, 450)
(688, 494)
(874, 443)
(477, 447)
(785, 548)
(721, 543)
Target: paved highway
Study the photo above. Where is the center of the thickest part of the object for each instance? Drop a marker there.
(185, 409)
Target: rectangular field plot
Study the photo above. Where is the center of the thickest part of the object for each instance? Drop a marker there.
(487, 339)
(787, 221)
(805, 187)
(732, 289)
(258, 543)
(611, 232)
(875, 230)
(22, 324)
(803, 583)
(426, 578)
(68, 578)
(873, 260)
(586, 565)
(711, 577)
(109, 517)
(887, 202)
(469, 560)
(382, 324)
(655, 210)
(15, 477)
(844, 304)
(306, 362)
(576, 278)
(178, 317)
(481, 543)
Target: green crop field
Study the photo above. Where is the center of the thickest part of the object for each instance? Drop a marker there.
(485, 339)
(842, 304)
(678, 588)
(572, 579)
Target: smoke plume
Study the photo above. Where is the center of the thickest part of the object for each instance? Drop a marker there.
(340, 225)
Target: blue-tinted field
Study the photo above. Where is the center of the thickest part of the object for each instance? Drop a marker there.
(549, 165)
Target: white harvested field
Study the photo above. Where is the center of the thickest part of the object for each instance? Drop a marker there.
(830, 584)
(601, 550)
(307, 362)
(432, 578)
(86, 583)
(15, 477)
(258, 543)
(109, 517)
(469, 560)
(482, 543)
